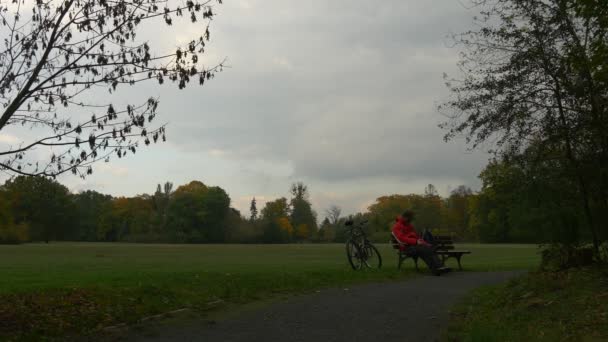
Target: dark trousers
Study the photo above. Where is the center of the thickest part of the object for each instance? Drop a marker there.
(427, 254)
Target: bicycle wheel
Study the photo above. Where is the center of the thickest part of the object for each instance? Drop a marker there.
(354, 255)
(372, 257)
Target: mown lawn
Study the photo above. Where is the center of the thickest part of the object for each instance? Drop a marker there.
(76, 288)
(570, 305)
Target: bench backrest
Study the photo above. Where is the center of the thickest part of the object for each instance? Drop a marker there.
(394, 242)
(443, 242)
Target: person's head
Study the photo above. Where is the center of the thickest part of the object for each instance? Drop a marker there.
(408, 216)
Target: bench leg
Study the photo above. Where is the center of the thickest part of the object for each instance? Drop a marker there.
(458, 259)
(400, 262)
(416, 262)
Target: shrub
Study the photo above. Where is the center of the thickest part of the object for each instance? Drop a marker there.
(557, 257)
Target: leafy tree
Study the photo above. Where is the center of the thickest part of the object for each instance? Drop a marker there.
(386, 208)
(525, 202)
(238, 229)
(273, 214)
(428, 209)
(10, 232)
(285, 226)
(89, 206)
(303, 232)
(198, 213)
(327, 231)
(301, 210)
(161, 199)
(536, 80)
(56, 53)
(216, 208)
(458, 210)
(43, 204)
(253, 208)
(129, 219)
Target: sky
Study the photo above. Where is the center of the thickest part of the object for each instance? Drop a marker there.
(340, 95)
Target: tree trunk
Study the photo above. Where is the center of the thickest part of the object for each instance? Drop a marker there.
(583, 189)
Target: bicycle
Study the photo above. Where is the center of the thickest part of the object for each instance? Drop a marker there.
(359, 250)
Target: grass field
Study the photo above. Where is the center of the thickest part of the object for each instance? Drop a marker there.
(569, 305)
(63, 288)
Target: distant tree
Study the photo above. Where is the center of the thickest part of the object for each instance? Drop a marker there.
(302, 232)
(238, 229)
(57, 52)
(301, 209)
(161, 199)
(458, 210)
(430, 191)
(129, 219)
(216, 209)
(286, 227)
(273, 219)
(427, 209)
(274, 210)
(333, 214)
(327, 231)
(10, 232)
(386, 208)
(253, 209)
(198, 213)
(89, 206)
(43, 204)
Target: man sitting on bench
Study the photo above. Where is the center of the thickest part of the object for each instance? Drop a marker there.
(406, 235)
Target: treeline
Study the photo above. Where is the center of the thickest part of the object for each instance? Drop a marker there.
(41, 209)
(506, 210)
(514, 205)
(520, 202)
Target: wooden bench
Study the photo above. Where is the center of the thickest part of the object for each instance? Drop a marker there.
(444, 248)
(402, 254)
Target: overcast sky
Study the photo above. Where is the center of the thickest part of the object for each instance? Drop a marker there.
(338, 94)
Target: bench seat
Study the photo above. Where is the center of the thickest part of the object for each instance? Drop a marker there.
(444, 248)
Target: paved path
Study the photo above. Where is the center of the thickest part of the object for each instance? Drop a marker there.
(410, 310)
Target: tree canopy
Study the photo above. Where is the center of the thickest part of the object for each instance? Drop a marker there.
(535, 87)
(58, 58)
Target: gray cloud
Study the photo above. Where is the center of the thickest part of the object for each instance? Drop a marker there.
(340, 94)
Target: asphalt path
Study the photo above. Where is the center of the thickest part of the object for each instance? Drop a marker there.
(410, 310)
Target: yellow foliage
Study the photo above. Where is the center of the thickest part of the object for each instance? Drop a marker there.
(11, 233)
(302, 231)
(285, 225)
(14, 233)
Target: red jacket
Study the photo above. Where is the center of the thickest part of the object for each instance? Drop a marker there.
(404, 232)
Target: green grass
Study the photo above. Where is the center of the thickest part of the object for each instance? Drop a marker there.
(63, 288)
(541, 306)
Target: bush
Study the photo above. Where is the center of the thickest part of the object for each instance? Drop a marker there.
(557, 257)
